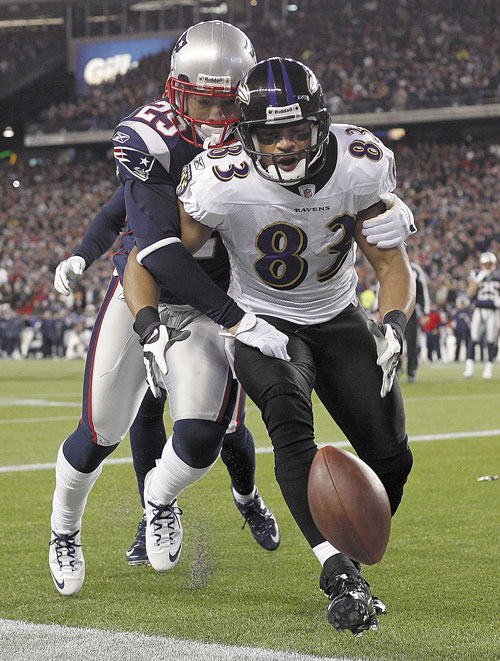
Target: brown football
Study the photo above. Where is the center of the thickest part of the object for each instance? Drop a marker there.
(349, 504)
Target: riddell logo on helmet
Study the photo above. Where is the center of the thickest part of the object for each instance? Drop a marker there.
(285, 113)
(204, 80)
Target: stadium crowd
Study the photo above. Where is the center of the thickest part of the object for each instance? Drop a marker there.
(23, 49)
(385, 56)
(390, 55)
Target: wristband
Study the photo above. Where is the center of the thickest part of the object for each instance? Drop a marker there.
(144, 319)
(396, 319)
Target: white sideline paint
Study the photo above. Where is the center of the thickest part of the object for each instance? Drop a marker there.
(37, 402)
(25, 641)
(57, 418)
(7, 401)
(268, 449)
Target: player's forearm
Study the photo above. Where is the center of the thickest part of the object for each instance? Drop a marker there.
(175, 269)
(139, 286)
(472, 289)
(179, 272)
(397, 286)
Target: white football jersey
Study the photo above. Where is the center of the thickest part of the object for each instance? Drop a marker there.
(292, 254)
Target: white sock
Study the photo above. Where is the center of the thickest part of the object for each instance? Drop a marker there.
(70, 495)
(324, 551)
(244, 499)
(172, 475)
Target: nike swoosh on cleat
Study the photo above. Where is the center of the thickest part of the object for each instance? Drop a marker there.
(173, 557)
(276, 537)
(59, 585)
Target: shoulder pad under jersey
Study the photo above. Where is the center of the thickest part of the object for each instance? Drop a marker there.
(148, 138)
(364, 161)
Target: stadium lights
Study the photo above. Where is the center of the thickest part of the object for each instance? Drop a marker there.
(392, 134)
(25, 22)
(219, 9)
(396, 134)
(155, 5)
(104, 19)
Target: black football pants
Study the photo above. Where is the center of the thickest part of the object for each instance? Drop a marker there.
(337, 359)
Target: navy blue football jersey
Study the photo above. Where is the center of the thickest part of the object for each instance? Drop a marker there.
(488, 291)
(150, 155)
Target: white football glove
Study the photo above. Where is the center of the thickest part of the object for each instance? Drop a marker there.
(259, 334)
(66, 271)
(483, 273)
(388, 352)
(391, 228)
(155, 343)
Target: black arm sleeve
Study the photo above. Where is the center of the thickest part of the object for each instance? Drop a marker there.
(174, 268)
(104, 228)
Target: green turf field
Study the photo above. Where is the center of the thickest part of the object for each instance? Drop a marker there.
(439, 576)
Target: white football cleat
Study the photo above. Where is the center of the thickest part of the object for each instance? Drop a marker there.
(488, 370)
(66, 562)
(469, 368)
(163, 530)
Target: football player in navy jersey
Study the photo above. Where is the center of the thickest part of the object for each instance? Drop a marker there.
(484, 290)
(147, 433)
(203, 396)
(291, 202)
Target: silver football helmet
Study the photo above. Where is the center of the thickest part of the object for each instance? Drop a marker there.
(209, 59)
(488, 258)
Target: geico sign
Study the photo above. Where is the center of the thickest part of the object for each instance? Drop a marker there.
(99, 70)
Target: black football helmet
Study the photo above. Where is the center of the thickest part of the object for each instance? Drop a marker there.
(277, 92)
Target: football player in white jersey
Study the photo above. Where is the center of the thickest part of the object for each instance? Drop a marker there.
(290, 201)
(484, 290)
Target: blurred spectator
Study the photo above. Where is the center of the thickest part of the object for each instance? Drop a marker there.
(431, 325)
(23, 49)
(422, 308)
(461, 326)
(11, 326)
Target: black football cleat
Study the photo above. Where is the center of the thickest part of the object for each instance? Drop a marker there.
(136, 555)
(261, 521)
(378, 604)
(351, 605)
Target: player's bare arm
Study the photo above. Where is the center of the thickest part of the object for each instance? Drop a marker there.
(139, 286)
(396, 301)
(472, 288)
(194, 234)
(392, 266)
